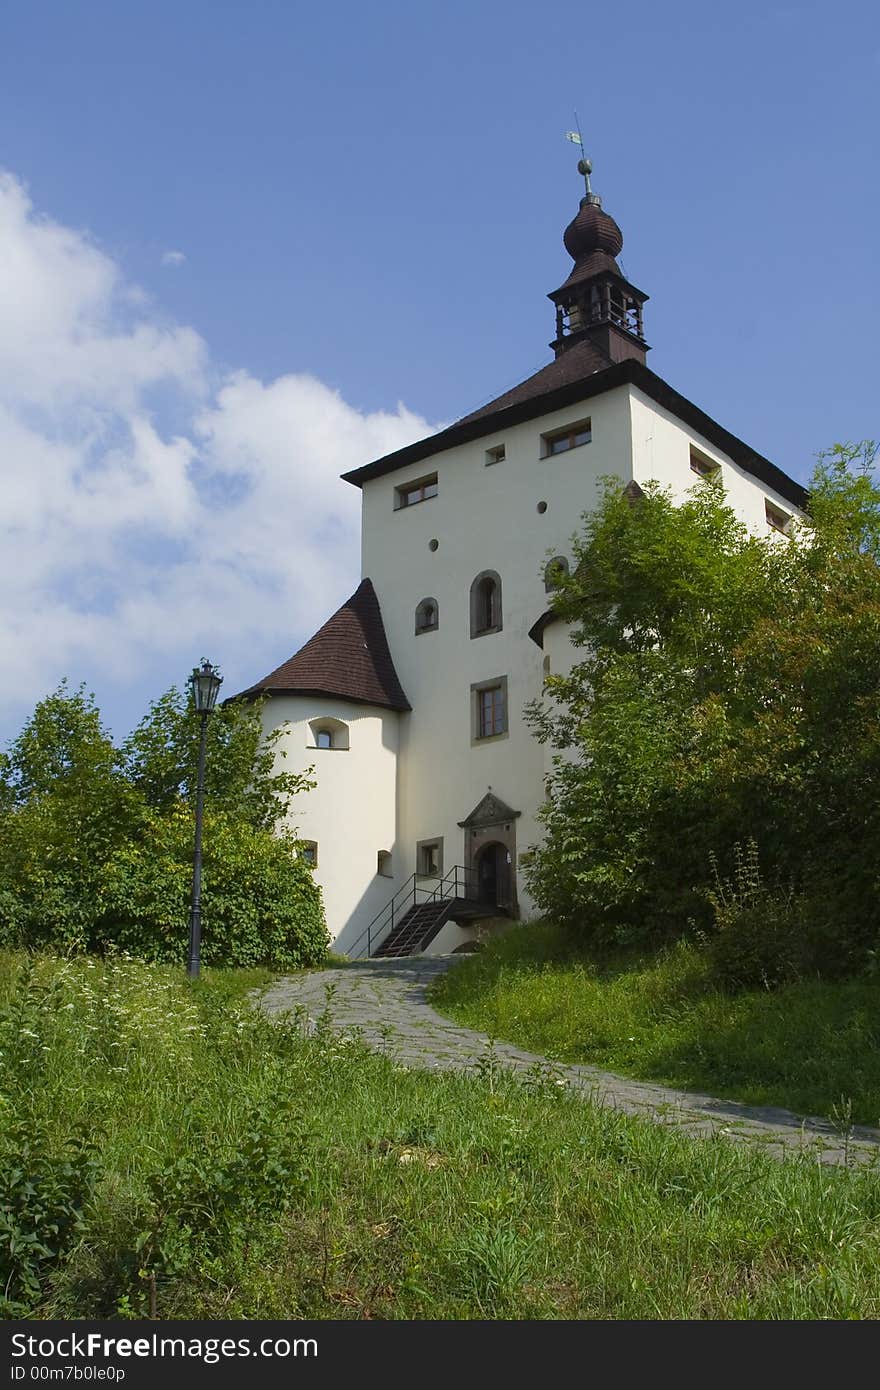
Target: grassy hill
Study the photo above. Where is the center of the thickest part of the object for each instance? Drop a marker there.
(813, 1047)
(196, 1159)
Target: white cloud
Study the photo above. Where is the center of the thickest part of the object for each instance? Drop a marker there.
(126, 549)
(173, 258)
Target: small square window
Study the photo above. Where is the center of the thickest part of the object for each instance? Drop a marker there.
(309, 852)
(495, 455)
(778, 519)
(704, 467)
(571, 437)
(408, 494)
(429, 858)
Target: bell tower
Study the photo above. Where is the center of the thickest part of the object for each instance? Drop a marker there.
(596, 302)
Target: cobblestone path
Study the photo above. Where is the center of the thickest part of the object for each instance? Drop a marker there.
(385, 1002)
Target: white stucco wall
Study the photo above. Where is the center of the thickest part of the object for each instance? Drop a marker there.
(484, 518)
(351, 813)
(661, 452)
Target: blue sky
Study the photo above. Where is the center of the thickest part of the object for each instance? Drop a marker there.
(283, 237)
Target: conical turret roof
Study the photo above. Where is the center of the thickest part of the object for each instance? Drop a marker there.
(348, 658)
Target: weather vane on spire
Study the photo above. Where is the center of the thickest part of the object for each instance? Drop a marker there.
(585, 166)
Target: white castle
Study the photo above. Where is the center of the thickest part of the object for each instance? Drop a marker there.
(408, 703)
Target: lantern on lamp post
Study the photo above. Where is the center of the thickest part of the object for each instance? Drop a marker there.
(205, 682)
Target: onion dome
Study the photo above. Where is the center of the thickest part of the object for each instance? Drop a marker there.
(593, 240)
(592, 230)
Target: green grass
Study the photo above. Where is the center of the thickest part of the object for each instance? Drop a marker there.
(660, 1018)
(234, 1168)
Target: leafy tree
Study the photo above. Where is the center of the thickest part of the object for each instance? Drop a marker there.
(65, 805)
(96, 843)
(729, 689)
(242, 775)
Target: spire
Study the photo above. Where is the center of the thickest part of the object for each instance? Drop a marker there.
(596, 301)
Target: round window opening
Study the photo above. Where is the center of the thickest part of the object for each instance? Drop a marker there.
(542, 507)
(433, 545)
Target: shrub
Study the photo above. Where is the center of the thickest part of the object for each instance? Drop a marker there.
(43, 1196)
(762, 944)
(260, 903)
(769, 936)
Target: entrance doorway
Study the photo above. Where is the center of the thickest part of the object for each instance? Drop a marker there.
(493, 874)
(490, 854)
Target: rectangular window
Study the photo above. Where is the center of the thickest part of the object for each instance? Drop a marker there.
(383, 863)
(429, 858)
(778, 519)
(408, 494)
(309, 851)
(491, 711)
(495, 455)
(489, 715)
(571, 437)
(704, 467)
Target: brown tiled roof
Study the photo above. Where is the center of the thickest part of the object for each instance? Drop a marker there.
(348, 658)
(580, 360)
(535, 397)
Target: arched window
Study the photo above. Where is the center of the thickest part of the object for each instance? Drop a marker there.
(329, 733)
(427, 615)
(554, 572)
(485, 604)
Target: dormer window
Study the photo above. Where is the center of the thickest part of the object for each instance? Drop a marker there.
(408, 494)
(571, 437)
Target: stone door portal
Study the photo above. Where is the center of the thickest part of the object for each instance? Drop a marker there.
(490, 853)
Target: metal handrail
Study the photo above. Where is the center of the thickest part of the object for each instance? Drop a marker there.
(456, 877)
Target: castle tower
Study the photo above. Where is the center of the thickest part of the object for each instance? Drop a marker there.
(428, 802)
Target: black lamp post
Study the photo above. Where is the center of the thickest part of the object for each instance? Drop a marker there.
(205, 681)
